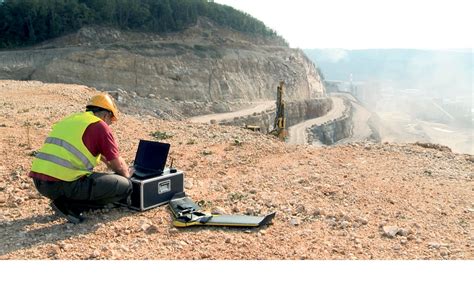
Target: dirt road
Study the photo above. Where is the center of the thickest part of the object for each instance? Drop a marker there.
(297, 133)
(257, 107)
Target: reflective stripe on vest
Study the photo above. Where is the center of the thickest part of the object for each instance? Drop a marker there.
(70, 148)
(64, 155)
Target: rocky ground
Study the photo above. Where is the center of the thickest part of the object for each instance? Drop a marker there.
(354, 201)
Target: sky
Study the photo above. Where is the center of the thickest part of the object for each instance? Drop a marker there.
(366, 24)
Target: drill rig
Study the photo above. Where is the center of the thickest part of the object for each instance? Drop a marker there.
(279, 127)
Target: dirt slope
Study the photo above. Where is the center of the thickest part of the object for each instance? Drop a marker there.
(358, 201)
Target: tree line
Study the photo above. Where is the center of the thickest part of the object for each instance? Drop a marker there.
(26, 22)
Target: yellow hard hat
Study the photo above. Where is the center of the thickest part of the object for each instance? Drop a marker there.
(106, 102)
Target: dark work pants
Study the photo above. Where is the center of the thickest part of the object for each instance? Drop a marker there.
(92, 192)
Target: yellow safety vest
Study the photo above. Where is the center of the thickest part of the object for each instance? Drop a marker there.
(63, 155)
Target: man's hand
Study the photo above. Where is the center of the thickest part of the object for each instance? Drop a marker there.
(119, 166)
(131, 170)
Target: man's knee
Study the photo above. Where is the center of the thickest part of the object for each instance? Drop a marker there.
(112, 185)
(124, 186)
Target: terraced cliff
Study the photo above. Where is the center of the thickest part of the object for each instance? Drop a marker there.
(204, 69)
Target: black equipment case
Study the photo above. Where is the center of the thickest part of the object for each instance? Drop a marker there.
(156, 191)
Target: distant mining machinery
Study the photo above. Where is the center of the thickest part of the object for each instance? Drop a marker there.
(279, 127)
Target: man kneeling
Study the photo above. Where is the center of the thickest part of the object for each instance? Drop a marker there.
(63, 168)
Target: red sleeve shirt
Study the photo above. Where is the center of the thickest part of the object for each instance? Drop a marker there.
(98, 139)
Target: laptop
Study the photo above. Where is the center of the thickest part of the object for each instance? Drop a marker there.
(150, 159)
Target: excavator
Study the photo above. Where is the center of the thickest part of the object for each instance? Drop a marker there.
(279, 127)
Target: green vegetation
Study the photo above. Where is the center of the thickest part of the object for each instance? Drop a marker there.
(160, 135)
(26, 22)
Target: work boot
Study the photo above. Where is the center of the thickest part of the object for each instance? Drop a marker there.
(62, 210)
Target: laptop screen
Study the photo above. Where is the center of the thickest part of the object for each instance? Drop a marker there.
(151, 157)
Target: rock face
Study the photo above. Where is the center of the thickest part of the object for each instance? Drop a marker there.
(203, 69)
(334, 130)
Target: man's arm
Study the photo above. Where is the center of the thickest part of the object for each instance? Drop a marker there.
(119, 166)
(98, 139)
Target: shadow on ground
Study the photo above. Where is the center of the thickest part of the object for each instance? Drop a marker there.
(24, 233)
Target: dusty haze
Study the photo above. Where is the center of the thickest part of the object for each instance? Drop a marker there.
(418, 95)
